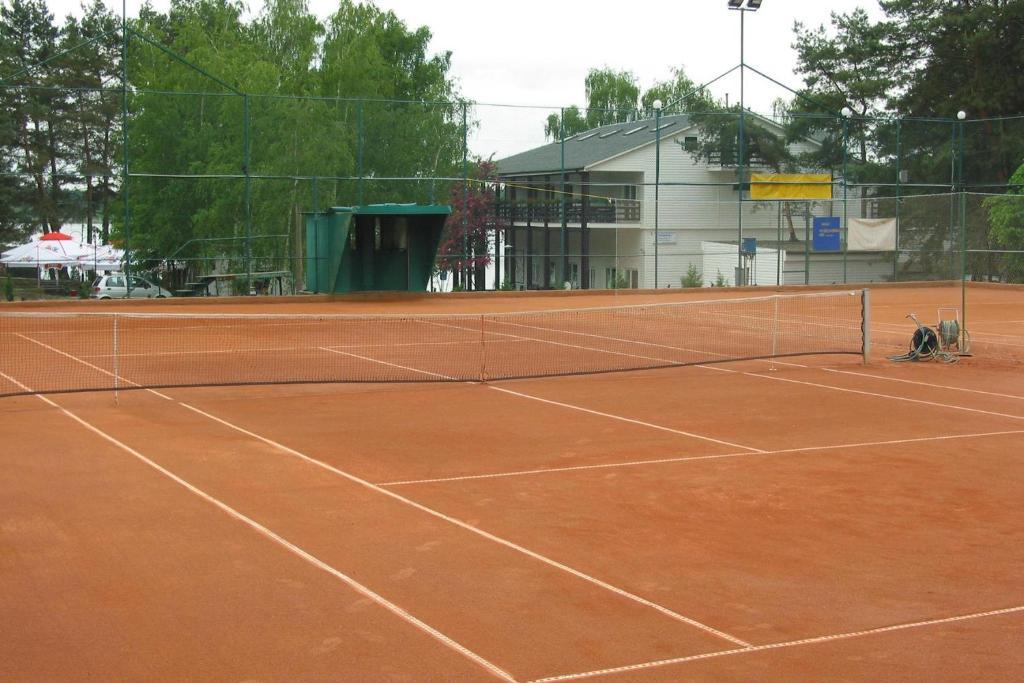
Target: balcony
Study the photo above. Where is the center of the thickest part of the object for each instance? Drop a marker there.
(605, 211)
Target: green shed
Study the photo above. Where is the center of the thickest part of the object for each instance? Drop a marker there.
(378, 247)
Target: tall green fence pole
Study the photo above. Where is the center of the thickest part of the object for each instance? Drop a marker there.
(124, 146)
(657, 183)
(360, 136)
(465, 197)
(963, 221)
(899, 200)
(316, 235)
(248, 192)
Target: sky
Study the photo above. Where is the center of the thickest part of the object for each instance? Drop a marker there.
(538, 52)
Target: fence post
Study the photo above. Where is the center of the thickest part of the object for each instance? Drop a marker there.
(248, 192)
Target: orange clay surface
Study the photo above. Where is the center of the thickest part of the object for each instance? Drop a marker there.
(809, 519)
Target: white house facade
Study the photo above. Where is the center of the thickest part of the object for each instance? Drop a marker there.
(636, 209)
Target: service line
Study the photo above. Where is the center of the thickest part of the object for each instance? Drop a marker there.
(779, 646)
(687, 458)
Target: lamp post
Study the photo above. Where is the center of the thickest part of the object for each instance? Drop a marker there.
(961, 116)
(657, 181)
(741, 6)
(847, 113)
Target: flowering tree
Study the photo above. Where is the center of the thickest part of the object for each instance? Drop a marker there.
(466, 244)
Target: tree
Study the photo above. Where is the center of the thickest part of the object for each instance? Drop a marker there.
(93, 70)
(32, 126)
(677, 94)
(1006, 226)
(465, 245)
(571, 122)
(614, 97)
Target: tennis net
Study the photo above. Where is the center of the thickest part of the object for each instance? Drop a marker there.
(69, 352)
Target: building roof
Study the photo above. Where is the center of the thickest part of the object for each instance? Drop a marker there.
(585, 149)
(589, 147)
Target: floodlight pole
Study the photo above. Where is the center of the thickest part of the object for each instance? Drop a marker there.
(741, 149)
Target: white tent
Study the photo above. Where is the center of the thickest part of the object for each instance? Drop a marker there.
(105, 257)
(39, 254)
(62, 253)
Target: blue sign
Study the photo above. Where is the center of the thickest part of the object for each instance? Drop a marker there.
(827, 236)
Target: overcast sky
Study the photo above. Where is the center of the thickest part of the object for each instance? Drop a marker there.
(538, 52)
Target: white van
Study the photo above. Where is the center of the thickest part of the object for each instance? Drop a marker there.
(115, 286)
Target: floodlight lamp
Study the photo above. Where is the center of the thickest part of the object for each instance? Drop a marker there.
(657, 105)
(754, 5)
(961, 115)
(735, 4)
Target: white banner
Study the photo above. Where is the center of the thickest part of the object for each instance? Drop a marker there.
(871, 234)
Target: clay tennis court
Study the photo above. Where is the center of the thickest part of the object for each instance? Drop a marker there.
(805, 517)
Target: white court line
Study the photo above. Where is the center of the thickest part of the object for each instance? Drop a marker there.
(469, 527)
(393, 365)
(687, 458)
(626, 419)
(562, 405)
(779, 646)
(563, 344)
(281, 541)
(452, 520)
(923, 384)
(94, 367)
(877, 395)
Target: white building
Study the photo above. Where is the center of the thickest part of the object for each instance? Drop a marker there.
(618, 234)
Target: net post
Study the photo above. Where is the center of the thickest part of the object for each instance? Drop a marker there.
(865, 323)
(775, 330)
(116, 368)
(483, 352)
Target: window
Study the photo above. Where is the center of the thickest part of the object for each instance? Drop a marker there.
(609, 278)
(690, 143)
(629, 191)
(574, 275)
(635, 130)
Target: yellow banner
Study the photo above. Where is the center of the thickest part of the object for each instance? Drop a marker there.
(790, 186)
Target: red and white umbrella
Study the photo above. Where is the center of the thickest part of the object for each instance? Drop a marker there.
(56, 236)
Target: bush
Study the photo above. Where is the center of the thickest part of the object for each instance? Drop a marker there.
(8, 287)
(720, 280)
(693, 277)
(507, 286)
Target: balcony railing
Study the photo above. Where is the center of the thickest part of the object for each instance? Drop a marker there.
(598, 211)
